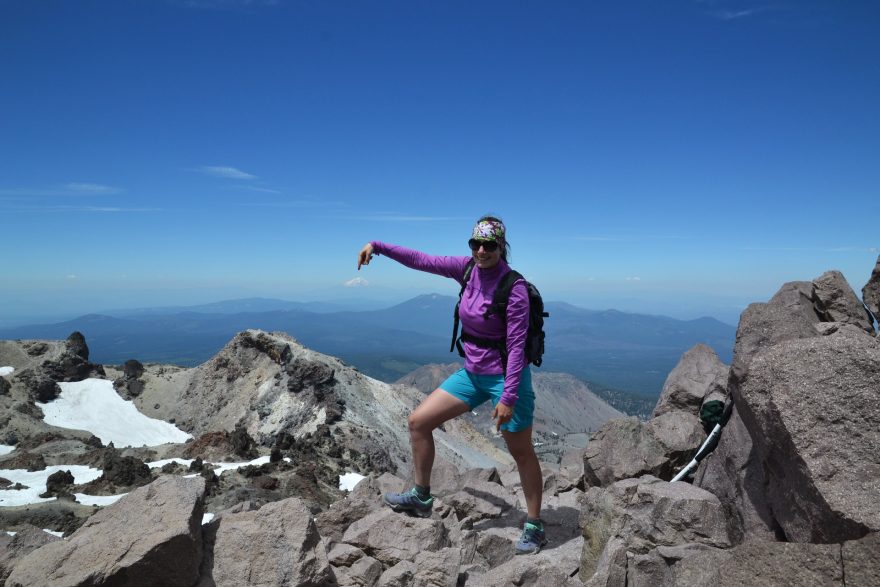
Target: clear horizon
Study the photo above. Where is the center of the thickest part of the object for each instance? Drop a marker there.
(683, 158)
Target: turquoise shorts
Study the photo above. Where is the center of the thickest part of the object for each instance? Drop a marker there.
(476, 389)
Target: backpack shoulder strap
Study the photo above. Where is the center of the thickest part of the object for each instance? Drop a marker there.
(502, 293)
(468, 269)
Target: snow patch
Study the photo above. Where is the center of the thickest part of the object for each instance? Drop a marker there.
(93, 405)
(53, 533)
(35, 482)
(99, 500)
(348, 481)
(163, 462)
(223, 467)
(207, 517)
(5, 449)
(4, 371)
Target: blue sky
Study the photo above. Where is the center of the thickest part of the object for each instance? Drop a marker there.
(682, 157)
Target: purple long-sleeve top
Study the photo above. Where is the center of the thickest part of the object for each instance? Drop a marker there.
(475, 301)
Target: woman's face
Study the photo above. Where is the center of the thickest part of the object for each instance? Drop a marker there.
(486, 253)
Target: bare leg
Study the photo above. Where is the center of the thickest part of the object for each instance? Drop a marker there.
(435, 409)
(520, 446)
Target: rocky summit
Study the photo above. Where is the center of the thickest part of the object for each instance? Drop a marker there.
(790, 496)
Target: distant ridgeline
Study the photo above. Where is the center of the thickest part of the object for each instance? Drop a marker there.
(624, 357)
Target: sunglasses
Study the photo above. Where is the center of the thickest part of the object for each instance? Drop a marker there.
(488, 246)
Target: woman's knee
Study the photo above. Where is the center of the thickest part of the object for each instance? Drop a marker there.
(418, 424)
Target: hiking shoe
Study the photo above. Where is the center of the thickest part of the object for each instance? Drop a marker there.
(411, 503)
(531, 541)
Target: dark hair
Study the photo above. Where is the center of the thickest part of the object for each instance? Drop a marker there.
(505, 246)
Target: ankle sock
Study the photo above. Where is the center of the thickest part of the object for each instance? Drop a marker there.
(535, 522)
(423, 493)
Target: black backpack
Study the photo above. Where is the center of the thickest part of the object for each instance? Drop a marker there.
(534, 337)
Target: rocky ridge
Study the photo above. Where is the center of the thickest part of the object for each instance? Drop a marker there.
(789, 497)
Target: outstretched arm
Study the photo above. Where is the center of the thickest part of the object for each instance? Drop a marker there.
(445, 266)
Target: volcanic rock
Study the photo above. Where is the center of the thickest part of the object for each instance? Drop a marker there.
(152, 536)
(812, 406)
(628, 447)
(871, 291)
(836, 302)
(40, 387)
(12, 548)
(278, 544)
(733, 472)
(698, 373)
(788, 315)
(638, 515)
(58, 483)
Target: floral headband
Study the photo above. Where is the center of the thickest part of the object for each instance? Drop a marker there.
(489, 230)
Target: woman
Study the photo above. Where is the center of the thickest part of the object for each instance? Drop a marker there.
(484, 376)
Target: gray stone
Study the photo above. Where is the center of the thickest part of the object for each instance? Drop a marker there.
(481, 499)
(871, 291)
(762, 563)
(344, 555)
(835, 301)
(363, 573)
(438, 568)
(13, 548)
(698, 373)
(154, 534)
(278, 544)
(788, 315)
(571, 471)
(733, 472)
(861, 563)
(812, 407)
(628, 447)
(391, 537)
(333, 522)
(400, 575)
(638, 515)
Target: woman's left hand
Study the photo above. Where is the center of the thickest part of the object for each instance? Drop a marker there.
(503, 413)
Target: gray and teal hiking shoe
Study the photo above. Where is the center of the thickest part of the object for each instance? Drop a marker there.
(532, 539)
(411, 503)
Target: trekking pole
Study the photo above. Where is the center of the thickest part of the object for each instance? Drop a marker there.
(710, 443)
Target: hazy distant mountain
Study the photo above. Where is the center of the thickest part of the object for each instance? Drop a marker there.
(611, 350)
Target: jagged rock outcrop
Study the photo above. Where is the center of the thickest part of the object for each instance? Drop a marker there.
(628, 447)
(277, 544)
(152, 536)
(270, 385)
(871, 291)
(638, 517)
(835, 302)
(12, 548)
(130, 385)
(812, 406)
(698, 373)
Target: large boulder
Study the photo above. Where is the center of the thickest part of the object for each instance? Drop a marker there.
(698, 373)
(758, 563)
(733, 472)
(12, 548)
(278, 545)
(628, 447)
(636, 516)
(789, 314)
(152, 536)
(811, 405)
(835, 301)
(871, 291)
(390, 537)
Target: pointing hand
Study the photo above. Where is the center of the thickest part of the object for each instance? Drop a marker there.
(365, 255)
